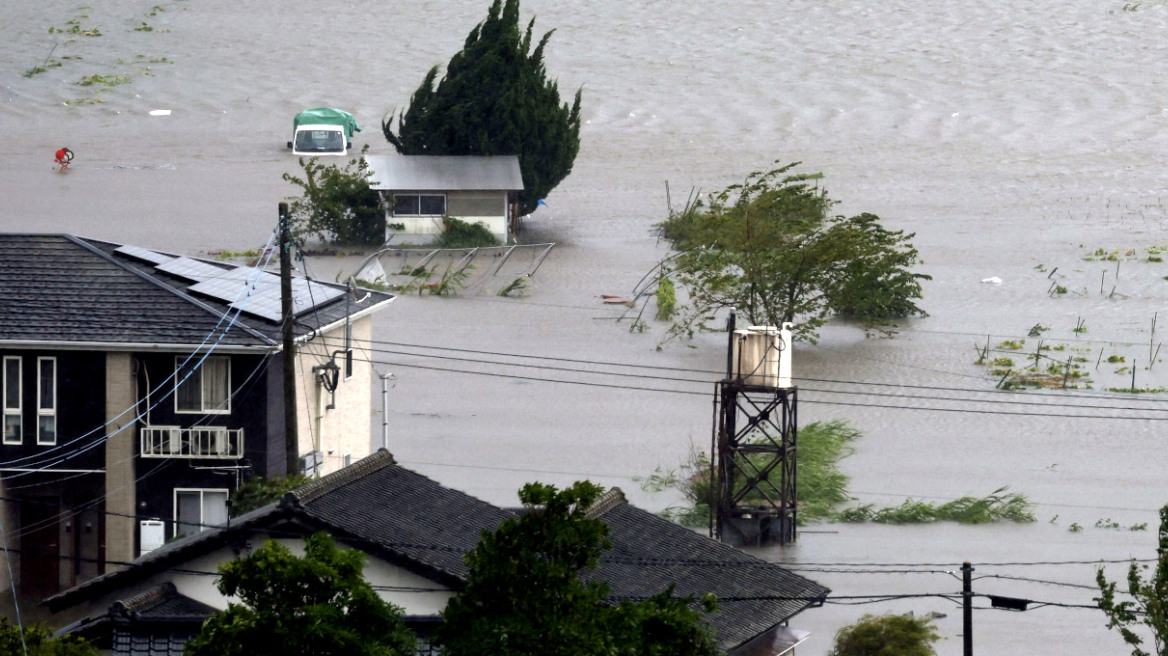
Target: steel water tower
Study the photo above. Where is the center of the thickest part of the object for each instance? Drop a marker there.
(752, 470)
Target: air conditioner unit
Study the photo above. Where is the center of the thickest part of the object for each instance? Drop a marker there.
(151, 535)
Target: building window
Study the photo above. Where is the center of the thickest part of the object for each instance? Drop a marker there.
(198, 510)
(419, 205)
(12, 398)
(46, 400)
(207, 388)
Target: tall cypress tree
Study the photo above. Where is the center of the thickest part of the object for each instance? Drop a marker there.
(495, 99)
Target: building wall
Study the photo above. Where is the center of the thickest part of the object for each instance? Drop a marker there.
(120, 448)
(197, 581)
(343, 430)
(486, 207)
(54, 492)
(158, 478)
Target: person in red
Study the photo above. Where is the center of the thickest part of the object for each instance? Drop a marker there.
(64, 156)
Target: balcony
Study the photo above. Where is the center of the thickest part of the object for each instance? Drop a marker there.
(205, 442)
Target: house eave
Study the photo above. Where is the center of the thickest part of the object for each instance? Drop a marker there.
(121, 347)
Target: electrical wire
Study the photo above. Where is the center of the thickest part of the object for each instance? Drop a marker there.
(41, 454)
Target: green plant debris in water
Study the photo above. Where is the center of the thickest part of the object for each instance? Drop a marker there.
(822, 488)
(99, 80)
(997, 506)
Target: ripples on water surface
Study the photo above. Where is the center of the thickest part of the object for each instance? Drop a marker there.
(1012, 137)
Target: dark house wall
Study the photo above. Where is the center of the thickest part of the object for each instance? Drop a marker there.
(159, 477)
(80, 412)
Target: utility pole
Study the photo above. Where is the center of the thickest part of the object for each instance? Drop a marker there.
(291, 447)
(967, 607)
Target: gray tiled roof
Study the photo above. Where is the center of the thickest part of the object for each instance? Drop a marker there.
(649, 553)
(444, 173)
(163, 603)
(424, 526)
(63, 289)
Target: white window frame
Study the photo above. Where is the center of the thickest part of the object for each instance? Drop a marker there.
(19, 409)
(419, 197)
(202, 507)
(203, 410)
(42, 410)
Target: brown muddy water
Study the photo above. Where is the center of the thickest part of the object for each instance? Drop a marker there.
(1011, 137)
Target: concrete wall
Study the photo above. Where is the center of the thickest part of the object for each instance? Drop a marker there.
(344, 429)
(120, 506)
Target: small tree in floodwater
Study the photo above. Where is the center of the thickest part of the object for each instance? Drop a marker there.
(1149, 603)
(886, 635)
(771, 248)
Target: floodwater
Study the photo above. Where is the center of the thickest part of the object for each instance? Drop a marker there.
(1014, 138)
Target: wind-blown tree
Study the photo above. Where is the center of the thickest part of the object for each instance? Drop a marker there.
(524, 594)
(495, 99)
(770, 248)
(886, 635)
(318, 605)
(337, 204)
(1148, 604)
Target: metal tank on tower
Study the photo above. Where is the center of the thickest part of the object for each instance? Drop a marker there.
(753, 470)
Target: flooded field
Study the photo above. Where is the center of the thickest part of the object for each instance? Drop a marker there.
(1020, 141)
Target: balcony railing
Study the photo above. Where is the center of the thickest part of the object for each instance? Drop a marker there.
(197, 442)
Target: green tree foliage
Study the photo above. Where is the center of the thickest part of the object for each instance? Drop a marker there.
(886, 635)
(495, 99)
(1148, 605)
(318, 605)
(259, 491)
(37, 640)
(771, 248)
(336, 204)
(524, 594)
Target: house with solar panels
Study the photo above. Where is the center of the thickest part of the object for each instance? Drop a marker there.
(140, 387)
(419, 191)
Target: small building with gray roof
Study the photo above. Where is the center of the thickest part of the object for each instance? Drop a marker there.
(419, 191)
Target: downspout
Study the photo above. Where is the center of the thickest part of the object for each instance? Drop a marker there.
(319, 437)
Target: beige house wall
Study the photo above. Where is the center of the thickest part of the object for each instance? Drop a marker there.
(120, 504)
(345, 429)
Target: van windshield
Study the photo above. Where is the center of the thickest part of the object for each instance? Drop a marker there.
(320, 141)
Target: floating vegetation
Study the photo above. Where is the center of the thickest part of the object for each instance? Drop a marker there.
(1012, 344)
(1137, 390)
(74, 27)
(144, 28)
(997, 506)
(99, 80)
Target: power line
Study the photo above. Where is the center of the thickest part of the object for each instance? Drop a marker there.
(1060, 395)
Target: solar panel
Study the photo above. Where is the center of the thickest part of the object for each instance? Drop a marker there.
(144, 254)
(261, 297)
(191, 269)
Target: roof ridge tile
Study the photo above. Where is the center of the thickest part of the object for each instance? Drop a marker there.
(356, 471)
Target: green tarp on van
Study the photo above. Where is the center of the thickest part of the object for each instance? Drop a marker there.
(327, 116)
